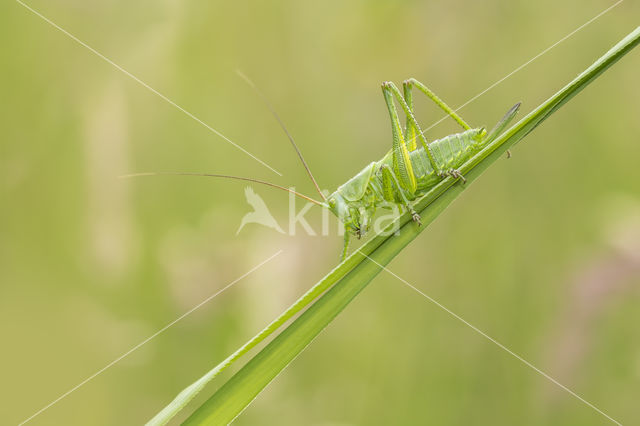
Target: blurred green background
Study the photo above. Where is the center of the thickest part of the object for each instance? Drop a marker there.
(542, 253)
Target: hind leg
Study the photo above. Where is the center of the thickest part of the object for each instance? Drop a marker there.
(391, 91)
(446, 108)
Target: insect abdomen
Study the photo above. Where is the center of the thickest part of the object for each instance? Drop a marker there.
(449, 152)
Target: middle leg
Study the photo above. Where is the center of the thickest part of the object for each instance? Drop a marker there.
(393, 192)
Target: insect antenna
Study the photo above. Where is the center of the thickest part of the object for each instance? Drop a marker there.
(281, 123)
(261, 182)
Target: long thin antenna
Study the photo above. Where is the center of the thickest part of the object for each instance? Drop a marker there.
(273, 185)
(277, 117)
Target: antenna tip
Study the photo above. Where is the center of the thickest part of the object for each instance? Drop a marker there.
(130, 175)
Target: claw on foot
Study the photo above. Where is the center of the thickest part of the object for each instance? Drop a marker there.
(416, 218)
(453, 173)
(456, 174)
(508, 154)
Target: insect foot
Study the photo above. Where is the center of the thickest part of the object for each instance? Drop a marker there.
(416, 217)
(456, 174)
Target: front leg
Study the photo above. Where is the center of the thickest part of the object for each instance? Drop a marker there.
(345, 248)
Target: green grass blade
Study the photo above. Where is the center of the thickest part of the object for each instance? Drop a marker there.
(187, 394)
(353, 275)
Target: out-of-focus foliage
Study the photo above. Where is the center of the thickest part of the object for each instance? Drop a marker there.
(91, 265)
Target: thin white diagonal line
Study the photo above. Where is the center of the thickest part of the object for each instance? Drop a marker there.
(526, 63)
(491, 339)
(147, 339)
(100, 55)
